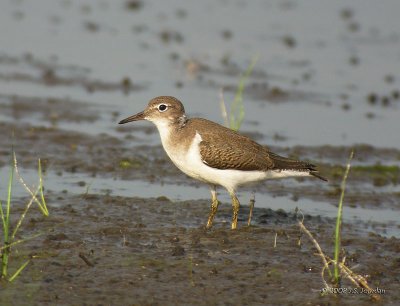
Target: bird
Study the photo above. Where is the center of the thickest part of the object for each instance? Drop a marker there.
(215, 154)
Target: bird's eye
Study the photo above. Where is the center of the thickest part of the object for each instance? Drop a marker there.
(162, 107)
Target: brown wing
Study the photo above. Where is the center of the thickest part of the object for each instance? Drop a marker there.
(284, 163)
(230, 150)
(228, 156)
(223, 148)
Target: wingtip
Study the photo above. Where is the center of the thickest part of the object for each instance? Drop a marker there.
(316, 174)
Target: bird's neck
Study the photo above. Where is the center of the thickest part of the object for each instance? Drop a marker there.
(167, 130)
(180, 122)
(171, 131)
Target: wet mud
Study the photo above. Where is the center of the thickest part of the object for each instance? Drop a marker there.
(102, 248)
(370, 185)
(98, 249)
(53, 75)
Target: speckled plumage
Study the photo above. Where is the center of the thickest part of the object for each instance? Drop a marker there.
(227, 149)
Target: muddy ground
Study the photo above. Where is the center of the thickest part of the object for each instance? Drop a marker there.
(70, 71)
(98, 249)
(104, 250)
(129, 157)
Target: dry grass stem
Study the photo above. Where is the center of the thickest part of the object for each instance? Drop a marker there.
(223, 108)
(345, 271)
(316, 244)
(23, 182)
(22, 217)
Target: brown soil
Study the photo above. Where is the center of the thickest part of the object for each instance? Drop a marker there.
(98, 249)
(102, 250)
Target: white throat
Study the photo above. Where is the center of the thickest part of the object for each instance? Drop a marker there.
(164, 129)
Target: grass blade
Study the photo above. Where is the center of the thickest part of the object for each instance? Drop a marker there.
(43, 206)
(223, 108)
(2, 215)
(19, 270)
(21, 241)
(336, 273)
(22, 217)
(237, 108)
(7, 216)
(6, 225)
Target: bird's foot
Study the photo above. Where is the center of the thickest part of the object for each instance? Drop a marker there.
(251, 205)
(234, 224)
(213, 212)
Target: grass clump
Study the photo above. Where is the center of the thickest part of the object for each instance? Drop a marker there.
(333, 285)
(380, 175)
(377, 174)
(130, 163)
(9, 232)
(236, 116)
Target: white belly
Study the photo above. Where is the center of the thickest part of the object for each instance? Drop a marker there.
(190, 162)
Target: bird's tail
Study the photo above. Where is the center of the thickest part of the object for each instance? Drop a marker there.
(284, 163)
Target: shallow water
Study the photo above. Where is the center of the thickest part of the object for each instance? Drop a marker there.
(315, 70)
(326, 80)
(384, 221)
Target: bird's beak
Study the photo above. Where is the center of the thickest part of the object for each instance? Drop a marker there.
(138, 116)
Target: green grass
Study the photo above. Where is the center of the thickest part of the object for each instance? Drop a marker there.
(338, 228)
(377, 168)
(237, 112)
(5, 219)
(130, 163)
(339, 266)
(378, 175)
(9, 233)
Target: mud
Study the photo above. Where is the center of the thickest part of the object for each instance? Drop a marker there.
(96, 250)
(321, 88)
(371, 185)
(52, 75)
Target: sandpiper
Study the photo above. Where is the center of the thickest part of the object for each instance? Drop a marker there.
(214, 154)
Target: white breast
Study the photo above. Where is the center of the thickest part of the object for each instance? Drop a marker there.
(190, 162)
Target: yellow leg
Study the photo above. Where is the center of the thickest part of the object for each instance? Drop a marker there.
(214, 206)
(235, 206)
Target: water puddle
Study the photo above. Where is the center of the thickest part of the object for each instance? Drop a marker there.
(385, 221)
